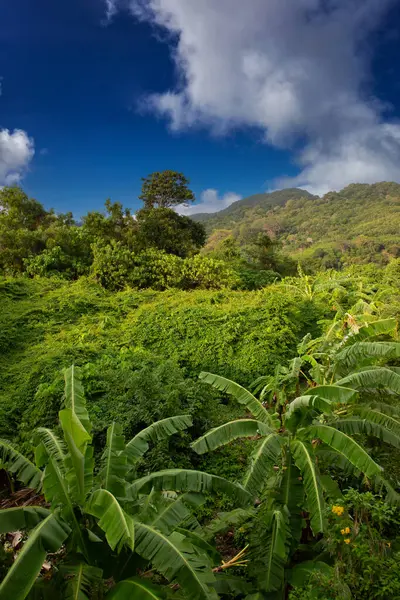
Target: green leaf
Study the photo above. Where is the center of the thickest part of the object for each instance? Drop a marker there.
(364, 351)
(21, 517)
(175, 558)
(198, 540)
(314, 402)
(56, 492)
(167, 514)
(186, 480)
(381, 327)
(16, 463)
(379, 377)
(79, 460)
(118, 526)
(272, 578)
(226, 433)
(52, 445)
(336, 394)
(48, 536)
(114, 462)
(323, 398)
(226, 584)
(355, 425)
(240, 394)
(80, 579)
(261, 463)
(300, 575)
(331, 487)
(378, 417)
(346, 446)
(302, 454)
(74, 396)
(226, 520)
(158, 431)
(136, 588)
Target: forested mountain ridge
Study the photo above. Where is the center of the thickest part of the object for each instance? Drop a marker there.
(359, 224)
(237, 210)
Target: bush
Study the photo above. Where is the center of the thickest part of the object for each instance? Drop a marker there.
(47, 324)
(115, 267)
(206, 273)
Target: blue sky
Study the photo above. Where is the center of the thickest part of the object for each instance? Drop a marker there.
(291, 92)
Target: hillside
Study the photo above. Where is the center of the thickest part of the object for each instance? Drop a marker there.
(359, 224)
(237, 211)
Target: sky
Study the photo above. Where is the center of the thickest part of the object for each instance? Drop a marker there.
(242, 97)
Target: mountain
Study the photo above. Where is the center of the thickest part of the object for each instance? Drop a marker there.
(237, 210)
(359, 224)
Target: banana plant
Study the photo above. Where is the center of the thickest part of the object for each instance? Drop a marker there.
(106, 523)
(284, 469)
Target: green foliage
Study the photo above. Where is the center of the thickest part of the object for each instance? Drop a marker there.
(165, 189)
(363, 224)
(293, 436)
(139, 528)
(164, 229)
(115, 267)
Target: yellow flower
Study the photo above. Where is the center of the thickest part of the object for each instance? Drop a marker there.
(347, 541)
(345, 530)
(337, 510)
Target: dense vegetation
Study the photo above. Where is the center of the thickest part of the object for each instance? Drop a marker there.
(229, 427)
(357, 225)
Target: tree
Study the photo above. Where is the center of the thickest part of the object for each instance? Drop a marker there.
(110, 523)
(21, 228)
(165, 189)
(116, 225)
(295, 439)
(164, 229)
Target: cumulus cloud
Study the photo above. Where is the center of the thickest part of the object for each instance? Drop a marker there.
(111, 8)
(16, 152)
(297, 69)
(210, 202)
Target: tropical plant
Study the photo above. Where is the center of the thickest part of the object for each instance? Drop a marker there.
(106, 524)
(294, 438)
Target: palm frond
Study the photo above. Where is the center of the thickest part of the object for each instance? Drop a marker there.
(166, 513)
(48, 536)
(136, 588)
(79, 580)
(381, 327)
(16, 463)
(79, 459)
(240, 394)
(345, 445)
(185, 480)
(75, 397)
(21, 517)
(261, 463)
(379, 377)
(226, 433)
(361, 352)
(175, 558)
(50, 445)
(118, 526)
(224, 521)
(113, 462)
(158, 431)
(303, 457)
(271, 578)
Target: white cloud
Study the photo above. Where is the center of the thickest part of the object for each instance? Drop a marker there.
(111, 8)
(297, 69)
(16, 152)
(209, 202)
